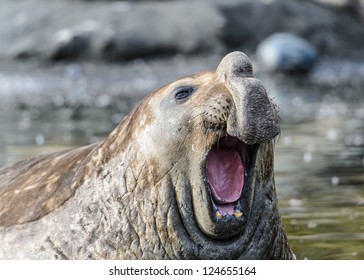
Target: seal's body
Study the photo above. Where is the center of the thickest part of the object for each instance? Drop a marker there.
(188, 174)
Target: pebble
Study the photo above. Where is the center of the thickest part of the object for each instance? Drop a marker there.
(335, 180)
(307, 157)
(39, 139)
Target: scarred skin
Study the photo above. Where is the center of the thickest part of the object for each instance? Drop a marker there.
(142, 192)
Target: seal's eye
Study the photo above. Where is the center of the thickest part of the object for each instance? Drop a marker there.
(182, 93)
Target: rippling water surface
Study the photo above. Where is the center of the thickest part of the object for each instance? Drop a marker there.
(319, 159)
(320, 171)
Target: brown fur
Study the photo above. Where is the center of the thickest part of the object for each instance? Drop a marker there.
(32, 188)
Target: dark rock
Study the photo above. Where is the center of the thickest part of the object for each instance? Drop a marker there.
(243, 26)
(286, 52)
(70, 46)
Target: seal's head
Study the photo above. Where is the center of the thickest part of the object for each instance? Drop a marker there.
(211, 134)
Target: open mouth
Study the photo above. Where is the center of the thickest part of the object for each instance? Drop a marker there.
(226, 166)
(229, 169)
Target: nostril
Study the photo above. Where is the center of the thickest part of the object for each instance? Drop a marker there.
(243, 70)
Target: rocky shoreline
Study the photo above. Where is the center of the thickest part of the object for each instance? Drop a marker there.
(124, 30)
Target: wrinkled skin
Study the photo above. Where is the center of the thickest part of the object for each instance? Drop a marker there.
(143, 192)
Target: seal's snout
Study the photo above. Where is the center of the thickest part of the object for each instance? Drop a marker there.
(253, 118)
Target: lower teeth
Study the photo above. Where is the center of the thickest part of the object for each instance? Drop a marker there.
(238, 214)
(218, 215)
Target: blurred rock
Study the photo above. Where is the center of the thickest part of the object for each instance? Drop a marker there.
(162, 28)
(285, 52)
(123, 30)
(335, 33)
(68, 45)
(339, 4)
(354, 7)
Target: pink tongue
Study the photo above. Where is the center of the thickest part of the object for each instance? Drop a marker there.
(225, 174)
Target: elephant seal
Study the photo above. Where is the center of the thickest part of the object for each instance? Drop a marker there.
(188, 174)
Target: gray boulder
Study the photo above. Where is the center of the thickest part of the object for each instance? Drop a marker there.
(287, 53)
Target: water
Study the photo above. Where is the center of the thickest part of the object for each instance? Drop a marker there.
(319, 158)
(320, 171)
(320, 179)
(35, 131)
